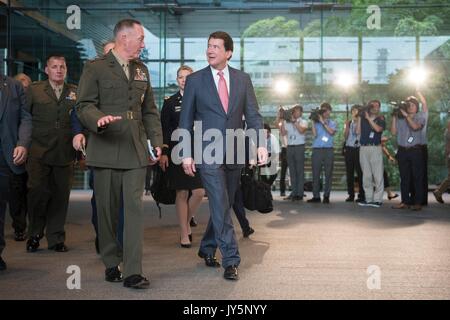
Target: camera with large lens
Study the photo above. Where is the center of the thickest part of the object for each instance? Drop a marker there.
(285, 114)
(397, 106)
(315, 113)
(362, 110)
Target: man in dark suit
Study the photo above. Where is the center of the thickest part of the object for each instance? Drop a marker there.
(217, 97)
(15, 136)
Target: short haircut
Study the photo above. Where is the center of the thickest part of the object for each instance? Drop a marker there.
(58, 56)
(413, 100)
(371, 102)
(124, 23)
(184, 67)
(326, 106)
(355, 106)
(227, 40)
(297, 107)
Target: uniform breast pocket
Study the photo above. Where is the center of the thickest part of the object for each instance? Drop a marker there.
(110, 90)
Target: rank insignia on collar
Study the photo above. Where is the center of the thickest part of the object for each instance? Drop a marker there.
(140, 75)
(72, 96)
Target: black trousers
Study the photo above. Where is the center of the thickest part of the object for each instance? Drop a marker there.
(5, 176)
(239, 210)
(352, 164)
(412, 173)
(18, 201)
(283, 163)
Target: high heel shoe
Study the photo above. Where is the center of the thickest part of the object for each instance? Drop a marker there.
(185, 245)
(190, 237)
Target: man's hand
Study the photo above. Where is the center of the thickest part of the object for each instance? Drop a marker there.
(320, 119)
(262, 156)
(158, 156)
(366, 115)
(79, 141)
(404, 113)
(19, 155)
(164, 162)
(104, 121)
(189, 166)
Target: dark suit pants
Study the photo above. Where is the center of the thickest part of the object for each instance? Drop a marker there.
(219, 183)
(239, 210)
(48, 200)
(411, 167)
(109, 186)
(284, 165)
(351, 165)
(5, 175)
(18, 201)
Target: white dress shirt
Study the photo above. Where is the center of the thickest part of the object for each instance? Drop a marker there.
(226, 75)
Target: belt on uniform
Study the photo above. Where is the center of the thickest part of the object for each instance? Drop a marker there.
(130, 115)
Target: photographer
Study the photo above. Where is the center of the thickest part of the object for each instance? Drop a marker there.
(323, 130)
(370, 127)
(294, 128)
(407, 125)
(351, 155)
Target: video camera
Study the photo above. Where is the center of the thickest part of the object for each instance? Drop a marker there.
(285, 114)
(397, 106)
(315, 113)
(362, 110)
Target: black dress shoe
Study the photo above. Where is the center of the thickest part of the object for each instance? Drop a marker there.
(2, 264)
(136, 281)
(113, 274)
(33, 244)
(314, 200)
(326, 199)
(210, 260)
(193, 223)
(350, 199)
(248, 232)
(59, 247)
(19, 236)
(231, 273)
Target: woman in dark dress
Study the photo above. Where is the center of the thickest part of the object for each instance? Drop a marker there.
(189, 190)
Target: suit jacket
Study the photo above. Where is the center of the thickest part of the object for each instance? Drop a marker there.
(15, 120)
(51, 139)
(201, 102)
(105, 90)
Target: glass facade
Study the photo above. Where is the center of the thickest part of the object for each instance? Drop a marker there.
(301, 45)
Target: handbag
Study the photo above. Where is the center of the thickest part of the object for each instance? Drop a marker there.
(160, 190)
(256, 193)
